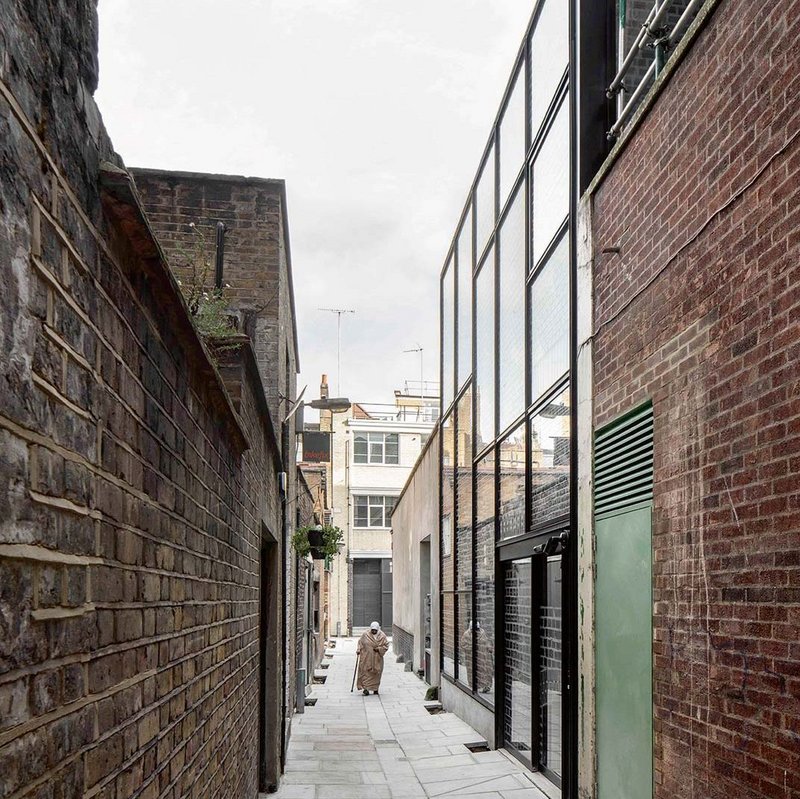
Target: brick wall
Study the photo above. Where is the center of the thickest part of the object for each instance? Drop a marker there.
(130, 506)
(403, 644)
(257, 266)
(699, 312)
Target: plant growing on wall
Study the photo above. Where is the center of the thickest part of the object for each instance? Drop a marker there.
(208, 305)
(319, 541)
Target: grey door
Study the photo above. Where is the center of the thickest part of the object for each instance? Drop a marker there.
(367, 594)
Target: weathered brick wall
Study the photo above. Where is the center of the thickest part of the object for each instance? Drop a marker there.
(258, 270)
(129, 515)
(699, 312)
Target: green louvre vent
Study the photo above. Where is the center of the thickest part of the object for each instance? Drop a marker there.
(623, 462)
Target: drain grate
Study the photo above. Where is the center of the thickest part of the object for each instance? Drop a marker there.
(478, 747)
(311, 701)
(435, 711)
(320, 680)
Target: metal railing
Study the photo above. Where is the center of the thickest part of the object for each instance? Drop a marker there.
(427, 411)
(658, 33)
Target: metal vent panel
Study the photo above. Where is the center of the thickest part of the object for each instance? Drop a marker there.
(623, 462)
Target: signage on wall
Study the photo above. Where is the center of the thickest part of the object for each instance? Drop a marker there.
(316, 447)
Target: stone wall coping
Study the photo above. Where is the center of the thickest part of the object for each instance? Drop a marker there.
(242, 180)
(237, 350)
(122, 203)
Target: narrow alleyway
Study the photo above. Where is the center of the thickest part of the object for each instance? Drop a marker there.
(349, 746)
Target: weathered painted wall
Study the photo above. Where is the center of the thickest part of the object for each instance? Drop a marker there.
(415, 519)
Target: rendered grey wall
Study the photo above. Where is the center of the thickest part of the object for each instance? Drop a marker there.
(416, 517)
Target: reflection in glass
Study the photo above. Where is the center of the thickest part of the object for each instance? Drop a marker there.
(465, 301)
(550, 667)
(448, 323)
(447, 545)
(485, 204)
(484, 576)
(484, 352)
(448, 633)
(550, 184)
(549, 310)
(448, 502)
(550, 431)
(549, 57)
(464, 530)
(518, 718)
(512, 312)
(512, 483)
(512, 137)
(464, 637)
(464, 492)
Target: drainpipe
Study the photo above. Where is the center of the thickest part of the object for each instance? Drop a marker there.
(220, 260)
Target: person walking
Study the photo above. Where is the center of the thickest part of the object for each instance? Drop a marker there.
(372, 646)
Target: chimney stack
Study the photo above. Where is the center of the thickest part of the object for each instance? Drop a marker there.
(323, 387)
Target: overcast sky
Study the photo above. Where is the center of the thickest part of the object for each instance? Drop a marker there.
(375, 114)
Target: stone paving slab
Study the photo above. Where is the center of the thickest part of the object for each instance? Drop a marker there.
(350, 746)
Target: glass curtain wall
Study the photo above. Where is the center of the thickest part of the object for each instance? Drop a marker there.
(505, 400)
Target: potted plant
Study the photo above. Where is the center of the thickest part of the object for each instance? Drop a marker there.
(319, 541)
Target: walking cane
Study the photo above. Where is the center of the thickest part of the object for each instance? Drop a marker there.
(355, 671)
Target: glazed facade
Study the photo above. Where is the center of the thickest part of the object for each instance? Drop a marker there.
(506, 410)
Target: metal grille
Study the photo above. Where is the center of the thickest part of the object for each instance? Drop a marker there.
(623, 462)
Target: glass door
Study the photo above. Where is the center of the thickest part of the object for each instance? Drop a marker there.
(517, 660)
(532, 671)
(549, 656)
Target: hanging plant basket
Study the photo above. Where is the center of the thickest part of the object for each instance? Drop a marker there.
(316, 542)
(321, 542)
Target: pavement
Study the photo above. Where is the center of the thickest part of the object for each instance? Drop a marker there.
(350, 746)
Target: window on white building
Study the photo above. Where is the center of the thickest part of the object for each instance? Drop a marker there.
(373, 510)
(376, 448)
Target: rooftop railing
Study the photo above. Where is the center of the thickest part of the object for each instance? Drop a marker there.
(659, 33)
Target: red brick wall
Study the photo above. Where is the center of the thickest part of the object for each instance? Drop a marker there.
(700, 312)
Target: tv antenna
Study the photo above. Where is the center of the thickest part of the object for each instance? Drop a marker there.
(338, 312)
(420, 349)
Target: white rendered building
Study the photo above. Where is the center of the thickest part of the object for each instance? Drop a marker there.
(373, 450)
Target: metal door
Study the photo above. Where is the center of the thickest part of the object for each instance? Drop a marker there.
(367, 591)
(532, 655)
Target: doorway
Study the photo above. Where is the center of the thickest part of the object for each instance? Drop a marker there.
(372, 593)
(533, 703)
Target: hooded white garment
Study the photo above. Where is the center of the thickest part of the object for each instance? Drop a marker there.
(372, 646)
